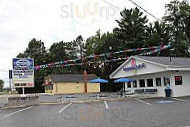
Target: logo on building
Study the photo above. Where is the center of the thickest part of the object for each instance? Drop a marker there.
(134, 66)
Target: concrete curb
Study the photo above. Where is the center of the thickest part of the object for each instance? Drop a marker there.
(83, 101)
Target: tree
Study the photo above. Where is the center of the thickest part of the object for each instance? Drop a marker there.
(101, 43)
(132, 28)
(62, 51)
(158, 34)
(177, 15)
(1, 85)
(36, 50)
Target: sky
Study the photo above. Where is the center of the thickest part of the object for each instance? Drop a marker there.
(56, 20)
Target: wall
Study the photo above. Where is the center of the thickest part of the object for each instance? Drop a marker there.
(70, 88)
(181, 90)
(26, 101)
(148, 69)
(93, 87)
(184, 89)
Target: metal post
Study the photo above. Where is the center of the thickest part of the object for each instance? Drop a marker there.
(10, 84)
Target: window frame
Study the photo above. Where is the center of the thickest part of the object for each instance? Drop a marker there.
(152, 85)
(144, 85)
(160, 82)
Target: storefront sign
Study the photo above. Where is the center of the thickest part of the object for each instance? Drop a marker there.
(21, 64)
(23, 72)
(178, 80)
(139, 66)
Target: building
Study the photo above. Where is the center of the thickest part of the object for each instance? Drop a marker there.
(150, 75)
(69, 84)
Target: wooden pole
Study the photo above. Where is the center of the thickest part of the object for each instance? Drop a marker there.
(85, 81)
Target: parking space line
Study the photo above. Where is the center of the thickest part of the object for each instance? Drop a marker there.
(142, 101)
(106, 104)
(179, 100)
(60, 111)
(13, 113)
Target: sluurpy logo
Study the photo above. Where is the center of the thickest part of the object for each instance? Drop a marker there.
(88, 13)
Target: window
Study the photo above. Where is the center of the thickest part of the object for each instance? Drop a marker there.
(149, 82)
(142, 82)
(134, 84)
(158, 82)
(166, 81)
(129, 85)
(178, 80)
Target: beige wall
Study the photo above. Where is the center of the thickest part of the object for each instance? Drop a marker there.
(93, 87)
(67, 88)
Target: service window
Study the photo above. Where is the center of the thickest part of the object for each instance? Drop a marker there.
(129, 85)
(134, 84)
(149, 82)
(142, 82)
(166, 81)
(178, 80)
(158, 82)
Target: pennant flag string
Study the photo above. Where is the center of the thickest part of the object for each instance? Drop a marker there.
(66, 62)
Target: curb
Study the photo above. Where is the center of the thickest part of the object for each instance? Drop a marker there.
(81, 101)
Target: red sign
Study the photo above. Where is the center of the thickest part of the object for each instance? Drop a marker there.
(178, 78)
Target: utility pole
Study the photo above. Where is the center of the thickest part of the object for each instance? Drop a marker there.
(10, 78)
(79, 41)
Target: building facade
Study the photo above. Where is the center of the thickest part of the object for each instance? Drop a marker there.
(69, 84)
(150, 75)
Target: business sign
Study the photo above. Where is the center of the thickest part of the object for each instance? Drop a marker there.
(134, 66)
(178, 80)
(23, 64)
(23, 72)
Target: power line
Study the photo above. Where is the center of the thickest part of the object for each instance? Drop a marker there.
(136, 5)
(105, 1)
(144, 10)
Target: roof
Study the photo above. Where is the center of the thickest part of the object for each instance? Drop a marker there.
(71, 77)
(175, 61)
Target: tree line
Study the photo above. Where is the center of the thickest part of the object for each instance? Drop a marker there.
(133, 31)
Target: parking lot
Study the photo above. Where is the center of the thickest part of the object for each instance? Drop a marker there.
(130, 112)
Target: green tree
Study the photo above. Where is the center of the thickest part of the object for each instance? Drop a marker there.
(101, 43)
(177, 15)
(36, 50)
(1, 85)
(132, 28)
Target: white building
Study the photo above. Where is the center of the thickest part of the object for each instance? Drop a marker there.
(150, 75)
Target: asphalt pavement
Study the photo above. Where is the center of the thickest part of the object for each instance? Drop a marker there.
(131, 112)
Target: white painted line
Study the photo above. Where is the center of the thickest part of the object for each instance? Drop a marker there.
(142, 101)
(179, 100)
(106, 104)
(64, 108)
(13, 113)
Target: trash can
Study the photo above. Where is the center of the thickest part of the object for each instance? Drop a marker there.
(168, 92)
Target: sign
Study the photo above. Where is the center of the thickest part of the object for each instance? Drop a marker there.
(23, 72)
(178, 80)
(134, 66)
(139, 66)
(21, 64)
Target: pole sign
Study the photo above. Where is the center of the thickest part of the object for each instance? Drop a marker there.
(23, 72)
(23, 64)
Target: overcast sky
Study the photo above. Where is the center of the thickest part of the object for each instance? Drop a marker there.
(55, 20)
